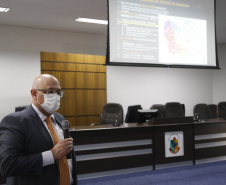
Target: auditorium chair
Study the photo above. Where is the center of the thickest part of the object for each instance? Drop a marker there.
(20, 108)
(111, 113)
(161, 110)
(213, 110)
(131, 115)
(201, 111)
(221, 108)
(174, 109)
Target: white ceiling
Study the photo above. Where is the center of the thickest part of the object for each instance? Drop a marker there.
(60, 15)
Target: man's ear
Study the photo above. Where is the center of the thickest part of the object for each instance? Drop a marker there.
(34, 94)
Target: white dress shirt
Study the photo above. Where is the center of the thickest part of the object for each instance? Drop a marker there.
(47, 156)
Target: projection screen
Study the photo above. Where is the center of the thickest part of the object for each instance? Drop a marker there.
(177, 33)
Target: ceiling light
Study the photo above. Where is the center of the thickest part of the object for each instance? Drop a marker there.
(4, 9)
(95, 21)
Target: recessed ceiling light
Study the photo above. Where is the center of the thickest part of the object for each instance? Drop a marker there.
(4, 9)
(95, 21)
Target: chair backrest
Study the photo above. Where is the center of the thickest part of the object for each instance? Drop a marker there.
(221, 108)
(174, 109)
(213, 110)
(131, 115)
(201, 111)
(20, 108)
(161, 110)
(112, 112)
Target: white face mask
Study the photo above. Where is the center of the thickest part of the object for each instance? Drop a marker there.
(51, 103)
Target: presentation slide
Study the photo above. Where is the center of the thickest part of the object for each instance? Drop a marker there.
(157, 32)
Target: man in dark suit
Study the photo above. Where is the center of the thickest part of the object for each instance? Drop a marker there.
(29, 153)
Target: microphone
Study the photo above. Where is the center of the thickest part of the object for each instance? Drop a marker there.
(65, 126)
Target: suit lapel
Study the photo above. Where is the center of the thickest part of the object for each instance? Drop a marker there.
(37, 122)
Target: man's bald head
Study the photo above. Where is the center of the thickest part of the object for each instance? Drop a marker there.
(44, 81)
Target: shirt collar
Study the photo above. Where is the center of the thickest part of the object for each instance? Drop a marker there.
(40, 114)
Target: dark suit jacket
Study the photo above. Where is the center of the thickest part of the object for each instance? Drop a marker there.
(23, 137)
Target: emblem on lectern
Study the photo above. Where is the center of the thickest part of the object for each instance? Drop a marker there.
(174, 146)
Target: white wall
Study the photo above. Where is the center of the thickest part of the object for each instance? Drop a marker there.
(219, 77)
(148, 86)
(20, 58)
(20, 63)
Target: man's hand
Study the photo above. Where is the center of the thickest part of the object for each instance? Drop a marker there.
(62, 148)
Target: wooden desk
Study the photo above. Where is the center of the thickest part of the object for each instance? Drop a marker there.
(2, 180)
(106, 150)
(165, 130)
(210, 140)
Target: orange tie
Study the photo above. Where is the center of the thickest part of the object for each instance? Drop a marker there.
(63, 164)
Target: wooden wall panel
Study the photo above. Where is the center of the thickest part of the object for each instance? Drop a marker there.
(90, 102)
(83, 79)
(68, 105)
(91, 80)
(87, 120)
(79, 58)
(79, 80)
(72, 120)
(60, 66)
(90, 68)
